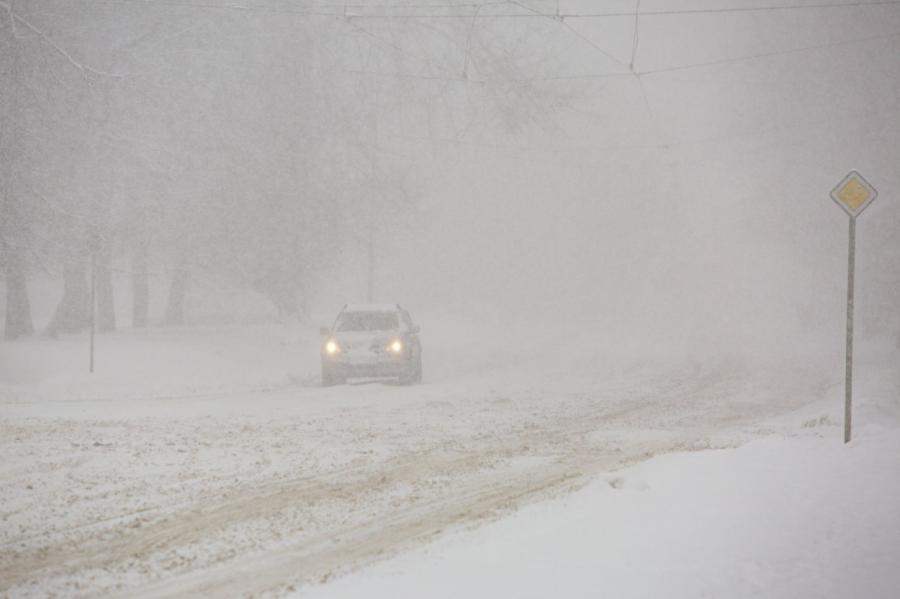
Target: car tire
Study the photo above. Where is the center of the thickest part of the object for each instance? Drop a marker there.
(417, 377)
(329, 378)
(414, 374)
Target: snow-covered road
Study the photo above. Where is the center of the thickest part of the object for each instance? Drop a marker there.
(255, 489)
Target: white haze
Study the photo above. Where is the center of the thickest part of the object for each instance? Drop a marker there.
(690, 217)
(614, 231)
(699, 223)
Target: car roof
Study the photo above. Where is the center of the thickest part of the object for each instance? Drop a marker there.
(371, 308)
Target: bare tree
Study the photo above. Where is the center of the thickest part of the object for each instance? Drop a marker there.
(13, 222)
(228, 157)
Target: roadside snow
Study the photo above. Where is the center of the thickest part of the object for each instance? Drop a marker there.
(795, 517)
(793, 514)
(208, 462)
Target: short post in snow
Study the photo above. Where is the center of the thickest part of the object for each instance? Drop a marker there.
(94, 248)
(853, 194)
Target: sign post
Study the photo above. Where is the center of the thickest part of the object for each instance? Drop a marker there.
(853, 194)
(93, 308)
(94, 244)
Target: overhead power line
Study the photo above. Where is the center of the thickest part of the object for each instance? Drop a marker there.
(769, 54)
(739, 9)
(641, 73)
(476, 10)
(343, 12)
(636, 34)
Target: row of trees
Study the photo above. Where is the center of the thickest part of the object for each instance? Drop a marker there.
(108, 162)
(232, 145)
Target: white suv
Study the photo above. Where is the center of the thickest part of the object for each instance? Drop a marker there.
(371, 340)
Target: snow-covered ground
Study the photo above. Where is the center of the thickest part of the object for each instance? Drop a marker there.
(209, 461)
(792, 517)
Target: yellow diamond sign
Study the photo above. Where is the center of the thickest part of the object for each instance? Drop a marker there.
(854, 193)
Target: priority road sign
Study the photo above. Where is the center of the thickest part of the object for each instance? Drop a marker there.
(853, 194)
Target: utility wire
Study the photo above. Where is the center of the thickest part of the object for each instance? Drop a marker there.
(476, 11)
(741, 9)
(768, 54)
(577, 33)
(635, 38)
(710, 63)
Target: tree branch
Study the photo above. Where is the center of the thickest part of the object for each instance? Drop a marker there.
(85, 69)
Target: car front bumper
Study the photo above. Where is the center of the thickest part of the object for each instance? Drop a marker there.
(368, 367)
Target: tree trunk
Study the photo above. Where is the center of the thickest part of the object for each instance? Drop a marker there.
(177, 292)
(106, 308)
(73, 313)
(18, 308)
(140, 285)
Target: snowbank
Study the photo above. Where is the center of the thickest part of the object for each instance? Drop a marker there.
(792, 517)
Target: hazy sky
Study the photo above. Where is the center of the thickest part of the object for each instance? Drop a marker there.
(670, 186)
(703, 210)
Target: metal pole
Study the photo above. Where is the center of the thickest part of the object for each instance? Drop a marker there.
(371, 285)
(372, 211)
(93, 306)
(848, 377)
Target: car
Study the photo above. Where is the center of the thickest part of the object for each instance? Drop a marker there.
(371, 341)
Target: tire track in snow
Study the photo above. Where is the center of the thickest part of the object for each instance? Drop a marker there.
(485, 482)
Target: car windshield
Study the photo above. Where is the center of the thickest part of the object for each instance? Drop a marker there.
(368, 321)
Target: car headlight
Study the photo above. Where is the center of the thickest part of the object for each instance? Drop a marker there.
(396, 346)
(332, 347)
